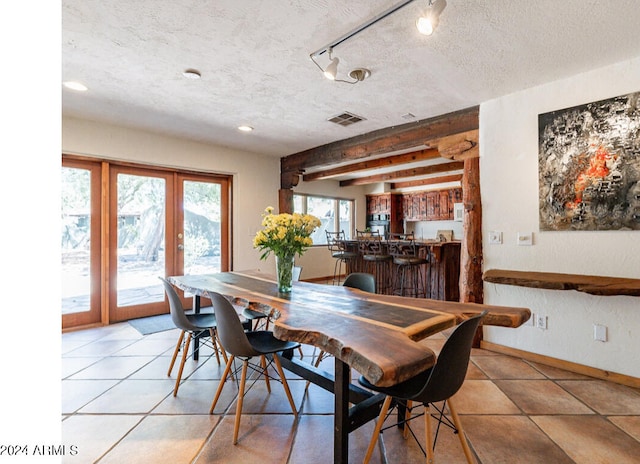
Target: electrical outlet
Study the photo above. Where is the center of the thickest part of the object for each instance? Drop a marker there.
(541, 322)
(495, 237)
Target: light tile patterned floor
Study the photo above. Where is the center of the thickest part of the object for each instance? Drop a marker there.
(118, 406)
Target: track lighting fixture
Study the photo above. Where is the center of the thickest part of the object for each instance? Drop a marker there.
(427, 23)
(331, 71)
(359, 74)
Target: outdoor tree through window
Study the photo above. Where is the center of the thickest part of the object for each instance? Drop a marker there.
(335, 214)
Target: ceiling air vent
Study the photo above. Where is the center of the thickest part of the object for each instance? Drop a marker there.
(346, 119)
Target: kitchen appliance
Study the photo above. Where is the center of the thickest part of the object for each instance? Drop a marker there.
(379, 223)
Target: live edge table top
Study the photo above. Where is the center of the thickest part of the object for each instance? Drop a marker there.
(375, 334)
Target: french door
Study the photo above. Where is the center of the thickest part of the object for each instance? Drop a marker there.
(148, 223)
(80, 242)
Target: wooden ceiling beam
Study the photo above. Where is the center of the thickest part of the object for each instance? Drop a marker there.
(459, 147)
(382, 141)
(429, 181)
(420, 155)
(420, 171)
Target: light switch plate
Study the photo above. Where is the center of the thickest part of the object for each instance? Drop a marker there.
(525, 238)
(600, 332)
(495, 237)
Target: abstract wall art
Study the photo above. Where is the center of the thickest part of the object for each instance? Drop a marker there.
(589, 166)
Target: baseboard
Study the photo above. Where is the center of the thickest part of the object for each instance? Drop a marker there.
(561, 364)
(83, 327)
(320, 280)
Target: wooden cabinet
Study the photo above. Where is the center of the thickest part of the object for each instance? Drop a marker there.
(379, 204)
(436, 205)
(384, 203)
(389, 205)
(395, 226)
(433, 207)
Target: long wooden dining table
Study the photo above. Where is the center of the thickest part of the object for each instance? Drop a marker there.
(377, 335)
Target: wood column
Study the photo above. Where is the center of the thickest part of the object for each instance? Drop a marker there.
(285, 201)
(471, 286)
(288, 180)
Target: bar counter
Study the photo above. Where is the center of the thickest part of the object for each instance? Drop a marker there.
(441, 273)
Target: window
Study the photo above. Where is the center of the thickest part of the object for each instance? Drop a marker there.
(336, 214)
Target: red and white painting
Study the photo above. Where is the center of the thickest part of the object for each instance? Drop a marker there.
(589, 166)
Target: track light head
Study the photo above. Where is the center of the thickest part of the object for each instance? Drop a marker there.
(427, 23)
(331, 70)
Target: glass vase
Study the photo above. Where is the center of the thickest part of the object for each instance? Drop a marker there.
(284, 271)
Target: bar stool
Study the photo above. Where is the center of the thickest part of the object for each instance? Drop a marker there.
(377, 260)
(409, 279)
(337, 244)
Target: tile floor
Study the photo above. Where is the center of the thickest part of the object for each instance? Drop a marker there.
(117, 407)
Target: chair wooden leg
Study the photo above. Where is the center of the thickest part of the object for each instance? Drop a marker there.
(222, 381)
(376, 431)
(315, 364)
(428, 433)
(461, 435)
(185, 353)
(175, 352)
(218, 345)
(285, 385)
(214, 344)
(263, 364)
(243, 380)
(319, 360)
(407, 416)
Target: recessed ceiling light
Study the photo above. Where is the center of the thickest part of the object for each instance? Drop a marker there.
(245, 128)
(191, 74)
(73, 85)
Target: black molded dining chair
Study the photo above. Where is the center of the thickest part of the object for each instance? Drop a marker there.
(246, 345)
(362, 281)
(194, 325)
(435, 385)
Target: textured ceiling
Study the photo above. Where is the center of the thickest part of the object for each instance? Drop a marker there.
(256, 70)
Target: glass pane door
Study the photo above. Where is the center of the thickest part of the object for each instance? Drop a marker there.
(80, 243)
(201, 241)
(139, 200)
(202, 226)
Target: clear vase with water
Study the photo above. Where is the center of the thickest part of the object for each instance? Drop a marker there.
(284, 272)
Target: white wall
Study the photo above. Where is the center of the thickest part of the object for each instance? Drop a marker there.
(509, 186)
(256, 178)
(429, 229)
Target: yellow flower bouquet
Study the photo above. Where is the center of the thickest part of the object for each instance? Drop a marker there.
(285, 235)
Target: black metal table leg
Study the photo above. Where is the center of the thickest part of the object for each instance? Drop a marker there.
(366, 406)
(196, 340)
(341, 419)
